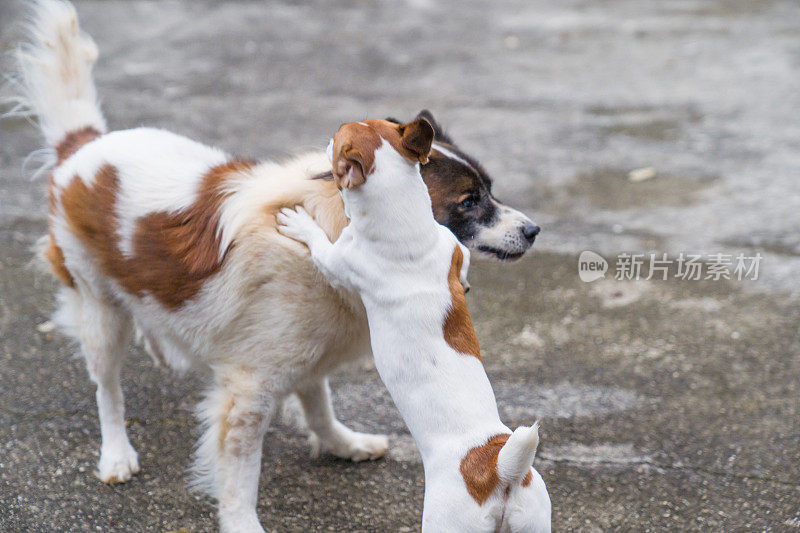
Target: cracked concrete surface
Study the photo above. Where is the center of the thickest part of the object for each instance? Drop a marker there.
(665, 405)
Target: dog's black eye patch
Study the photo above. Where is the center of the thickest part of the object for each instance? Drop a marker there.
(471, 200)
(488, 210)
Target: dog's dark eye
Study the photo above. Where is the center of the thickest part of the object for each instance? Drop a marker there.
(467, 202)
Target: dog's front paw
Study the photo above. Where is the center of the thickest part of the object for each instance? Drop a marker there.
(365, 446)
(117, 465)
(297, 224)
(239, 522)
(349, 444)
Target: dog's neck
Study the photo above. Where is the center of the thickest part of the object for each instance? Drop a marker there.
(393, 207)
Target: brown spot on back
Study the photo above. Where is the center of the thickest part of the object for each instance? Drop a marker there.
(73, 140)
(458, 330)
(479, 468)
(173, 252)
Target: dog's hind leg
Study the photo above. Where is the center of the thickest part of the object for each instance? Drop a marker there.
(236, 413)
(104, 331)
(330, 435)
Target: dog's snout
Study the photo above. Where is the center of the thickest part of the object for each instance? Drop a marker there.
(530, 231)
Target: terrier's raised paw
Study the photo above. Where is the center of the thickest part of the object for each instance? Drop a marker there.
(296, 224)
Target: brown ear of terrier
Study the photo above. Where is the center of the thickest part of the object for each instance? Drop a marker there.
(350, 171)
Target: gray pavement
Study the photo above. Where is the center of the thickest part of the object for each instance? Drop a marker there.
(665, 405)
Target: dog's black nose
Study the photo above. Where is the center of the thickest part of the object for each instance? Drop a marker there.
(530, 231)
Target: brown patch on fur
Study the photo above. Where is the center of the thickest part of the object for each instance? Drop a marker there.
(458, 330)
(55, 256)
(53, 253)
(73, 140)
(527, 479)
(355, 144)
(479, 468)
(173, 252)
(70, 144)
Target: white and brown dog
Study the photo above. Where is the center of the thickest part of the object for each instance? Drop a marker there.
(410, 272)
(154, 232)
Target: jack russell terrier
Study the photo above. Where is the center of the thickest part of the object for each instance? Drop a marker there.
(153, 233)
(410, 273)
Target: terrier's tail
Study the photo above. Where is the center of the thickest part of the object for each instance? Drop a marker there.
(53, 78)
(516, 456)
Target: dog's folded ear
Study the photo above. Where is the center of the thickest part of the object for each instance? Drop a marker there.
(350, 168)
(417, 137)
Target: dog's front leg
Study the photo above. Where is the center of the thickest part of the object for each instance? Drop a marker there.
(327, 256)
(236, 413)
(330, 435)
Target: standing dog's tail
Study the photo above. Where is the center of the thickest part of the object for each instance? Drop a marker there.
(516, 456)
(54, 78)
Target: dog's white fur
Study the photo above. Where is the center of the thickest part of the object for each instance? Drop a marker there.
(264, 326)
(397, 257)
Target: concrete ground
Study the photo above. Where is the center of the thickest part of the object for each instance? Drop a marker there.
(665, 405)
